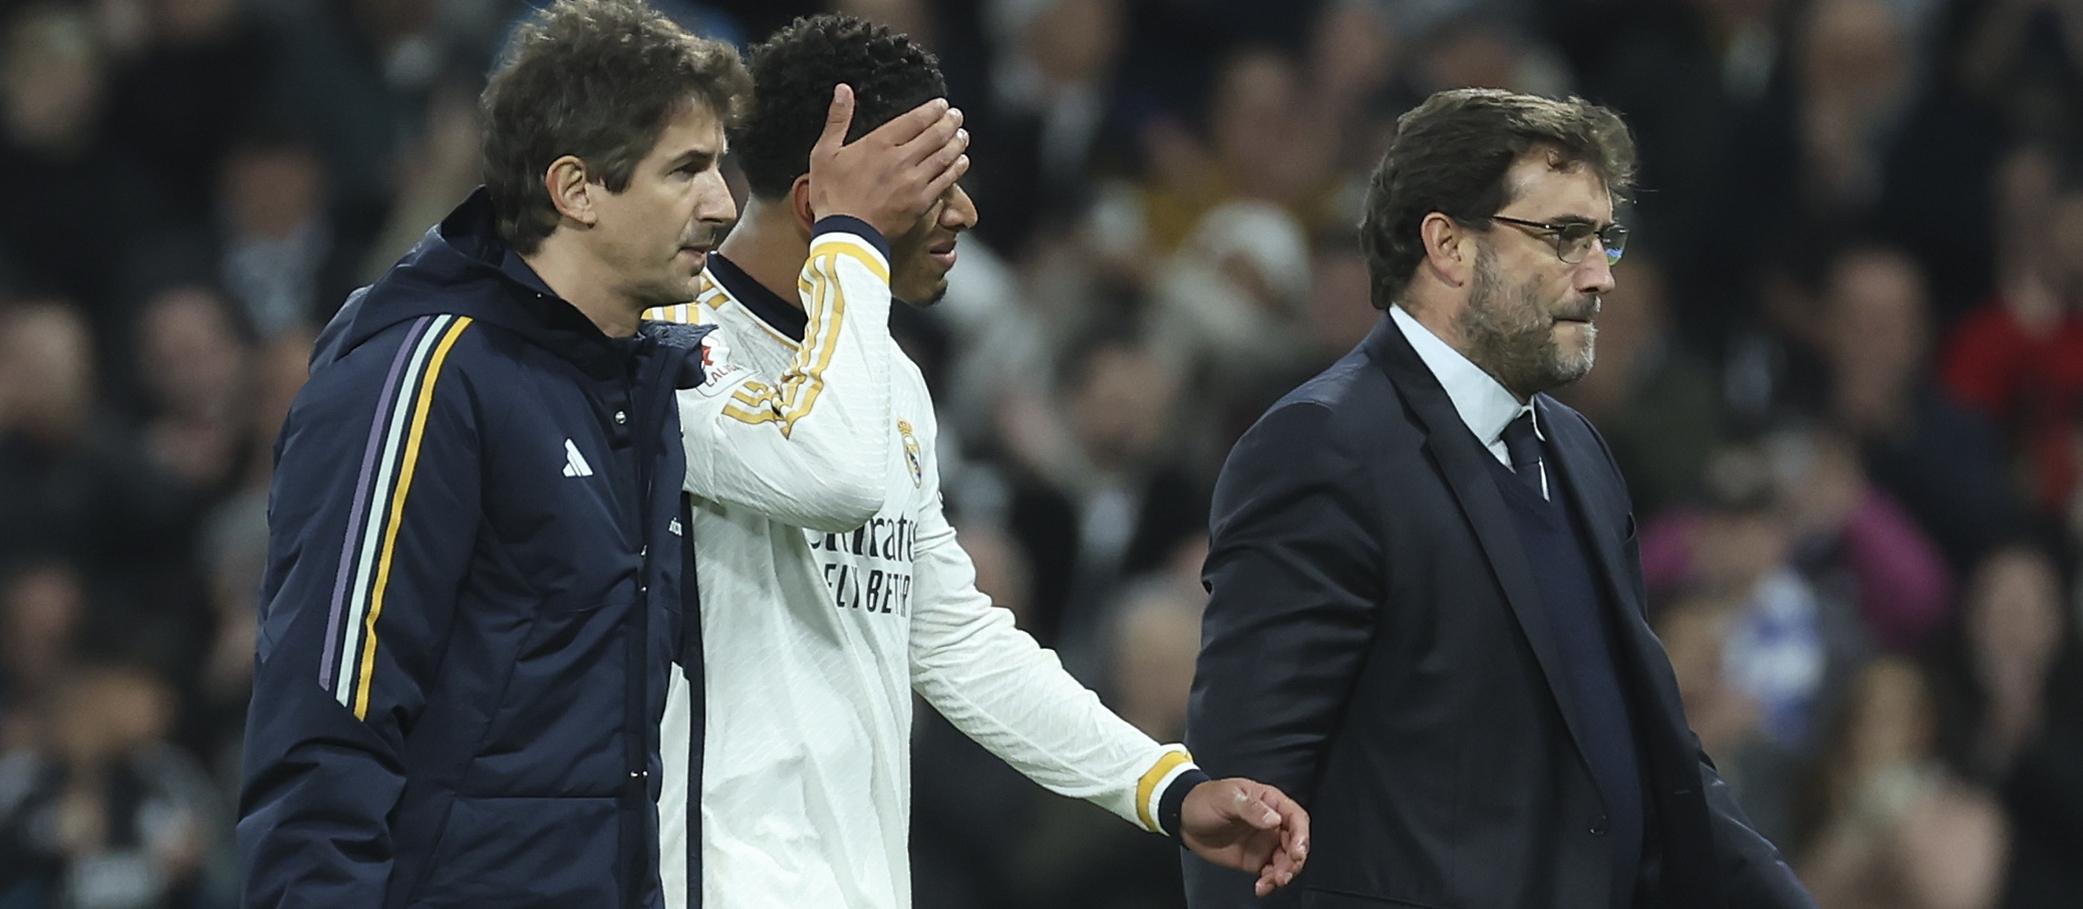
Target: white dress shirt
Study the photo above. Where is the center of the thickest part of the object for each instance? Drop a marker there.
(1484, 404)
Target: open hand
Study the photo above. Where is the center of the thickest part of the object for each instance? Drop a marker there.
(893, 175)
(1249, 826)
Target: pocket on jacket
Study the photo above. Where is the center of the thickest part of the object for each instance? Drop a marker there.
(523, 853)
(1319, 898)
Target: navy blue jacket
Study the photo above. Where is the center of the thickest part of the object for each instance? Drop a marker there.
(473, 598)
(1377, 644)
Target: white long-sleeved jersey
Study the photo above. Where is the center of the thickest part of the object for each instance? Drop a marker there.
(818, 624)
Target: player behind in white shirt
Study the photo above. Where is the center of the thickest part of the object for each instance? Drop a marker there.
(823, 614)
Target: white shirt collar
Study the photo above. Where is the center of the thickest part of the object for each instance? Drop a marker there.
(1484, 404)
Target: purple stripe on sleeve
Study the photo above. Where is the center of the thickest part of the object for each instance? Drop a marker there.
(361, 498)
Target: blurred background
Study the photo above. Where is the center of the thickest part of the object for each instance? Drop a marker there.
(1843, 371)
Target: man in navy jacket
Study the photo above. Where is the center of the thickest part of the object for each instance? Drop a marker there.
(478, 572)
(1426, 618)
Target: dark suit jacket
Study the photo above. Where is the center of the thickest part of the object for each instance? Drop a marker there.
(1376, 646)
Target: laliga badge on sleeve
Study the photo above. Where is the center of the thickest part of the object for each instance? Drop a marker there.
(718, 372)
(914, 456)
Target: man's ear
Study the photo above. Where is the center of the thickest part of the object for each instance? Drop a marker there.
(1449, 249)
(570, 190)
(799, 203)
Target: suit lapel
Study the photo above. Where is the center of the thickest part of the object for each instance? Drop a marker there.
(1457, 452)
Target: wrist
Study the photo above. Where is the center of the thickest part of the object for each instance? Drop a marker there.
(1171, 805)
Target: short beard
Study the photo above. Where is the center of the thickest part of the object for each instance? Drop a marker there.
(1512, 337)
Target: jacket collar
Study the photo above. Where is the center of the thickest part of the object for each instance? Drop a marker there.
(462, 267)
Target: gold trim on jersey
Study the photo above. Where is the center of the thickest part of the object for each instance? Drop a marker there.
(796, 394)
(1147, 786)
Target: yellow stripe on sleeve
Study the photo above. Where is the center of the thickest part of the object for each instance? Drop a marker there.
(816, 354)
(390, 533)
(853, 252)
(761, 399)
(1148, 784)
(796, 394)
(754, 417)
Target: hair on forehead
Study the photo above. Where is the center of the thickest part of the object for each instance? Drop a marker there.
(795, 72)
(1550, 159)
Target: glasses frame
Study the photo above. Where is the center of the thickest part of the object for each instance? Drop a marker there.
(1612, 238)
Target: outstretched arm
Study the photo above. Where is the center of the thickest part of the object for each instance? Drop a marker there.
(993, 682)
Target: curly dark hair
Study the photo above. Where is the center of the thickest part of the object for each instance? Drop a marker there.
(1451, 154)
(596, 79)
(796, 70)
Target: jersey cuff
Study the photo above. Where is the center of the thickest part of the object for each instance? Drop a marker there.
(1173, 802)
(849, 224)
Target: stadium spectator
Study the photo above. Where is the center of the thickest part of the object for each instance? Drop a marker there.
(41, 605)
(87, 194)
(184, 99)
(1339, 316)
(969, 809)
(1475, 51)
(1258, 95)
(1857, 79)
(439, 166)
(2018, 358)
(1657, 404)
(197, 385)
(1893, 826)
(1854, 537)
(1056, 116)
(234, 554)
(1695, 632)
(1943, 462)
(1111, 503)
(2012, 690)
(102, 812)
(1150, 658)
(1775, 625)
(1229, 307)
(2027, 57)
(356, 78)
(1687, 74)
(1352, 69)
(1857, 139)
(279, 257)
(1157, 634)
(75, 481)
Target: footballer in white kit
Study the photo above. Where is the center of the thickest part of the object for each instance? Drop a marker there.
(831, 584)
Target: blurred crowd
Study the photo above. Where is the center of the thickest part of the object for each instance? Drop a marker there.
(1843, 372)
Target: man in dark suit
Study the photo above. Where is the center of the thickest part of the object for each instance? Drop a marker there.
(1426, 618)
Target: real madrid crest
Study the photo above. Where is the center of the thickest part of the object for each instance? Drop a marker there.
(914, 456)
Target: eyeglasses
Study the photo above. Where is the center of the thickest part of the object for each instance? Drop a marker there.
(1572, 239)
